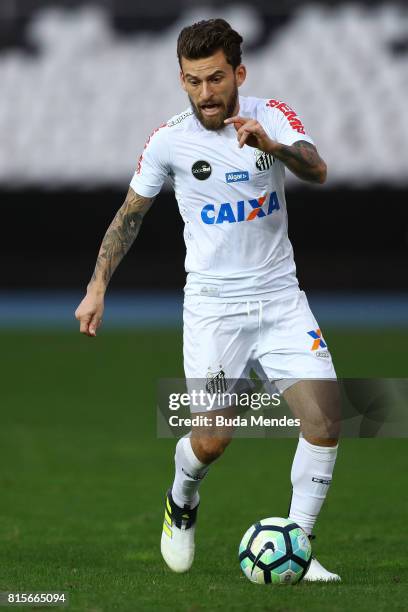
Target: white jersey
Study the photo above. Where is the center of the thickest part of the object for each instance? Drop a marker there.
(232, 201)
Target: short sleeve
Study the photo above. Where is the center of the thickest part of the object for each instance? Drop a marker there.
(153, 165)
(283, 124)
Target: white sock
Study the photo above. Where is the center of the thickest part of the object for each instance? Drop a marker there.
(189, 474)
(311, 475)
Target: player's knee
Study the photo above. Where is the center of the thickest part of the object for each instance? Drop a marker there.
(321, 424)
(328, 434)
(208, 449)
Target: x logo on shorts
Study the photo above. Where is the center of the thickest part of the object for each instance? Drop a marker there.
(318, 340)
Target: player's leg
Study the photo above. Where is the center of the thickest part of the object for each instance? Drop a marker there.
(294, 354)
(316, 404)
(194, 455)
(214, 353)
(193, 458)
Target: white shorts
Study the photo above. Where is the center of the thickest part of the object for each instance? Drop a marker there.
(279, 339)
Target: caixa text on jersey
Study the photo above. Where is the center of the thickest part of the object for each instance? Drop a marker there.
(243, 210)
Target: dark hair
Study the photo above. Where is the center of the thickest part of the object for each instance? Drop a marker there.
(204, 38)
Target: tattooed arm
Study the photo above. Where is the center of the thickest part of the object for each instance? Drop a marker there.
(302, 159)
(117, 241)
(119, 238)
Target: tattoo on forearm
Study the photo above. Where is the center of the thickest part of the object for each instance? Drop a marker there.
(302, 158)
(301, 151)
(120, 235)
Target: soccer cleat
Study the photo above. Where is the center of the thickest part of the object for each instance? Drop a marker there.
(177, 541)
(317, 573)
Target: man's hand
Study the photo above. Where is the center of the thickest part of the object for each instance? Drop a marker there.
(117, 241)
(89, 313)
(301, 158)
(251, 133)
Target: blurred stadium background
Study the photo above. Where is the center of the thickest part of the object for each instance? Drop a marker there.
(82, 86)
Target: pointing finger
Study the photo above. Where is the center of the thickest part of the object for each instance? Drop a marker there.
(236, 120)
(242, 138)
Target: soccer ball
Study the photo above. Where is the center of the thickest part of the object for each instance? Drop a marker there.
(275, 550)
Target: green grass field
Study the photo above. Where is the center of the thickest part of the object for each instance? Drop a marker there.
(83, 476)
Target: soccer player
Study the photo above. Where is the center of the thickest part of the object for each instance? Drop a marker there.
(226, 156)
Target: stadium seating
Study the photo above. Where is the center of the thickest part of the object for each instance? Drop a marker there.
(78, 110)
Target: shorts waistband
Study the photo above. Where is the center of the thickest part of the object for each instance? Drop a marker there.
(260, 297)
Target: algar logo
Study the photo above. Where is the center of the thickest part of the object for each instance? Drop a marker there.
(243, 210)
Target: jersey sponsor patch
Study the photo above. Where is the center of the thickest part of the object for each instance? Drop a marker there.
(201, 170)
(243, 210)
(289, 113)
(237, 177)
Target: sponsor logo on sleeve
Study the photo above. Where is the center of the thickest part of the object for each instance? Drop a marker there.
(291, 116)
(237, 177)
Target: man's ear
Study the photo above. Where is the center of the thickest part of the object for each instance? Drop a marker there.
(240, 74)
(182, 80)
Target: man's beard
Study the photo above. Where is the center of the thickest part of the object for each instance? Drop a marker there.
(217, 121)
